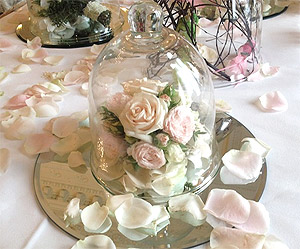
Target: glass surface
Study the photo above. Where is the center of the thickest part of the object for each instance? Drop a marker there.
(56, 185)
(74, 22)
(151, 99)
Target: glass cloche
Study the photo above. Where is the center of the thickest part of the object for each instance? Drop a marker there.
(152, 111)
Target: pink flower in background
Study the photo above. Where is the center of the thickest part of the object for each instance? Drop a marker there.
(179, 124)
(147, 156)
(117, 102)
(236, 66)
(163, 139)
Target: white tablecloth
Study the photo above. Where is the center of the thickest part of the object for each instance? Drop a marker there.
(24, 225)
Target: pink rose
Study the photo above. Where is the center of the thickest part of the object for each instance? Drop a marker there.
(117, 102)
(147, 156)
(179, 124)
(163, 139)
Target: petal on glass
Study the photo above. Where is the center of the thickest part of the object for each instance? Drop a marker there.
(221, 237)
(93, 216)
(75, 159)
(72, 213)
(227, 205)
(102, 229)
(95, 241)
(271, 242)
(64, 126)
(35, 43)
(115, 201)
(134, 213)
(66, 145)
(228, 178)
(255, 145)
(53, 60)
(258, 221)
(21, 128)
(132, 234)
(188, 208)
(22, 68)
(39, 143)
(243, 164)
(4, 160)
(274, 101)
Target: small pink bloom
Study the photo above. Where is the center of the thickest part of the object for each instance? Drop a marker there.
(163, 139)
(165, 97)
(35, 43)
(236, 66)
(179, 124)
(117, 102)
(147, 155)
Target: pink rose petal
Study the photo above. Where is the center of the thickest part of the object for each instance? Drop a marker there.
(259, 220)
(227, 205)
(274, 101)
(243, 164)
(75, 77)
(35, 43)
(17, 101)
(39, 143)
(4, 160)
(222, 237)
(39, 55)
(64, 126)
(6, 45)
(53, 60)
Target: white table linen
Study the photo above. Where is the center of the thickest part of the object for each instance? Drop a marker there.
(23, 224)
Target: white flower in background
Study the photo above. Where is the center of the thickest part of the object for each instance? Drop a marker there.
(72, 213)
(142, 115)
(174, 153)
(143, 85)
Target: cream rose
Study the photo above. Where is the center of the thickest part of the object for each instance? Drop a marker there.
(175, 153)
(179, 124)
(143, 85)
(147, 156)
(143, 114)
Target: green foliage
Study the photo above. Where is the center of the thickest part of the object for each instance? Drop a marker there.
(112, 122)
(64, 11)
(196, 133)
(173, 94)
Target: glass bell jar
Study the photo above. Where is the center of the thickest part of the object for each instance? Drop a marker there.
(74, 22)
(152, 112)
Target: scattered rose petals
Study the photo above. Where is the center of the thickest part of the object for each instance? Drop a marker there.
(95, 241)
(46, 108)
(228, 178)
(22, 68)
(20, 128)
(3, 75)
(243, 164)
(271, 242)
(227, 205)
(39, 143)
(64, 126)
(80, 116)
(93, 216)
(35, 43)
(258, 221)
(75, 159)
(66, 145)
(132, 234)
(53, 60)
(72, 213)
(84, 89)
(115, 201)
(6, 45)
(222, 106)
(274, 101)
(17, 101)
(255, 145)
(96, 49)
(75, 77)
(187, 207)
(221, 237)
(134, 213)
(4, 160)
(34, 55)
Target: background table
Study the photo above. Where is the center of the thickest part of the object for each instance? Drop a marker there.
(23, 224)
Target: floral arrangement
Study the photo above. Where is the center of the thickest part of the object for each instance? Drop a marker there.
(67, 19)
(152, 140)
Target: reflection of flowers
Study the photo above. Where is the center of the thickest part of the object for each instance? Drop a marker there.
(147, 156)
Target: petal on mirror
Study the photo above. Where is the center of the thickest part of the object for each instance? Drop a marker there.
(95, 241)
(94, 215)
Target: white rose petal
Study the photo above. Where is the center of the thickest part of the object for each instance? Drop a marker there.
(80, 116)
(258, 221)
(255, 145)
(273, 101)
(228, 178)
(224, 236)
(132, 234)
(64, 126)
(39, 143)
(187, 207)
(271, 242)
(46, 108)
(95, 241)
(53, 60)
(66, 145)
(23, 68)
(227, 205)
(134, 213)
(84, 89)
(75, 77)
(208, 53)
(72, 213)
(75, 159)
(113, 202)
(103, 228)
(93, 216)
(243, 164)
(20, 128)
(4, 160)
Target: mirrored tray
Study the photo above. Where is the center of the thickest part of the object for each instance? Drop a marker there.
(55, 186)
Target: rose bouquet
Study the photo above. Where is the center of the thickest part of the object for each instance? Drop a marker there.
(152, 142)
